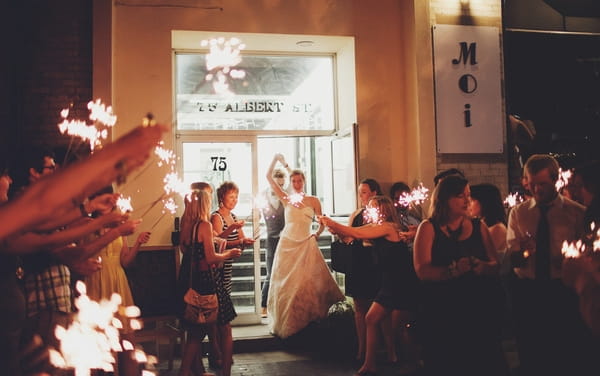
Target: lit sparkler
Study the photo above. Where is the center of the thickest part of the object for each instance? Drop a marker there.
(102, 118)
(124, 204)
(573, 249)
(166, 156)
(89, 343)
(372, 215)
(224, 54)
(296, 198)
(415, 197)
(513, 199)
(563, 179)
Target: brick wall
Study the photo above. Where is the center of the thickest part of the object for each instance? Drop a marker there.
(51, 69)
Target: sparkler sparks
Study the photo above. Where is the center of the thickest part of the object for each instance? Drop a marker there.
(573, 249)
(513, 199)
(415, 197)
(90, 342)
(295, 198)
(102, 118)
(166, 156)
(224, 54)
(124, 204)
(372, 215)
(563, 179)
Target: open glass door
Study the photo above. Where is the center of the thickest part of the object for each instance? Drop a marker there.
(215, 162)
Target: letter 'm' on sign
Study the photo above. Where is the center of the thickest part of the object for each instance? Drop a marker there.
(466, 53)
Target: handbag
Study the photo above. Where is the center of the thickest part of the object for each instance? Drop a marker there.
(199, 308)
(341, 256)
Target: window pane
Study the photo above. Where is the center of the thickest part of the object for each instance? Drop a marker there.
(277, 93)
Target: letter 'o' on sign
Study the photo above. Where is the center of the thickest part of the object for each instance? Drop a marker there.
(467, 83)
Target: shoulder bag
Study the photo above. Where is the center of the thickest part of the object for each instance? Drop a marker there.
(199, 308)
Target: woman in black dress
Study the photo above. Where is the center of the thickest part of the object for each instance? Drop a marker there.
(200, 264)
(362, 277)
(398, 290)
(462, 298)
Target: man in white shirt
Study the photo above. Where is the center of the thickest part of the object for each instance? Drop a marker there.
(549, 331)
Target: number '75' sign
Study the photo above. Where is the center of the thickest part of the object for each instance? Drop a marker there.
(219, 163)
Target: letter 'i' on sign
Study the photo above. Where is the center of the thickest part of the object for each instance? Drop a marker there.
(468, 115)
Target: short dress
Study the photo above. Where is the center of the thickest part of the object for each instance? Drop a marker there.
(363, 279)
(206, 279)
(399, 282)
(111, 277)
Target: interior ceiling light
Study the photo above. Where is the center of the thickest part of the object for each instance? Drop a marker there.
(305, 43)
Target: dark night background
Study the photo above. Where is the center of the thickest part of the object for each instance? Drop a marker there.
(554, 80)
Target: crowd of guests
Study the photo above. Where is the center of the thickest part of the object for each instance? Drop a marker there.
(439, 284)
(52, 234)
(469, 279)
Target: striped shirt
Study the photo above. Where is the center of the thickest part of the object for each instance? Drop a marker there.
(228, 264)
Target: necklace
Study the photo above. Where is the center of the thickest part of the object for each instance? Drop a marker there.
(455, 234)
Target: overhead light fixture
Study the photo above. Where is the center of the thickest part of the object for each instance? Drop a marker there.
(305, 43)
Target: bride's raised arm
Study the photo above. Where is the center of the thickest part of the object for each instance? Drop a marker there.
(274, 186)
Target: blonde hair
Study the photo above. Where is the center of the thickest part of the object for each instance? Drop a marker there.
(387, 210)
(197, 209)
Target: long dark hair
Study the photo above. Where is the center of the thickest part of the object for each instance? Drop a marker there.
(492, 208)
(448, 187)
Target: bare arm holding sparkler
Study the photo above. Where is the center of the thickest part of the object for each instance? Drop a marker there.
(67, 188)
(80, 252)
(368, 231)
(33, 242)
(102, 202)
(128, 253)
(205, 236)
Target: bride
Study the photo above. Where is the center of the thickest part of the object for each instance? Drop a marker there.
(302, 288)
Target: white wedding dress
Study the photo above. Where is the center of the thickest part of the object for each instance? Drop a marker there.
(302, 287)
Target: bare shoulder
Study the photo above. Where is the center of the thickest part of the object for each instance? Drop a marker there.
(312, 201)
(205, 226)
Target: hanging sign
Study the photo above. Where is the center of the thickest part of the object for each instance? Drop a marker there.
(468, 94)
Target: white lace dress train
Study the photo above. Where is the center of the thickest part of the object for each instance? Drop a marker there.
(302, 288)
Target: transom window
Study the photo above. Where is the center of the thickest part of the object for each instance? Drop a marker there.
(278, 93)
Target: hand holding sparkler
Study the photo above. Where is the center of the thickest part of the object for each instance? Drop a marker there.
(232, 253)
(86, 267)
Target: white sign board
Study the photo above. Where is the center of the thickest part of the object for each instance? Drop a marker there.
(468, 94)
